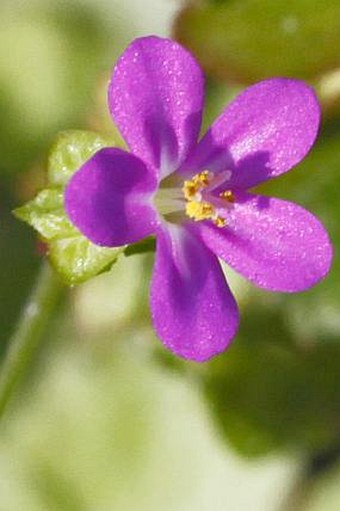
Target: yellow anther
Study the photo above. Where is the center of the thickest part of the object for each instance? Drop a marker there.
(189, 190)
(219, 221)
(199, 210)
(202, 178)
(228, 195)
(196, 184)
(195, 207)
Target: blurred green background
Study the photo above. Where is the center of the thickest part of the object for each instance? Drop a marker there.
(106, 419)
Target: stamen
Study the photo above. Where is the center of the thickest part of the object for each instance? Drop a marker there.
(219, 221)
(189, 190)
(195, 198)
(228, 195)
(200, 204)
(196, 184)
(202, 179)
(218, 180)
(199, 210)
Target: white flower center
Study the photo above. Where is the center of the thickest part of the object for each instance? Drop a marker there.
(194, 198)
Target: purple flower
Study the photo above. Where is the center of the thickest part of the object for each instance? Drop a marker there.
(194, 195)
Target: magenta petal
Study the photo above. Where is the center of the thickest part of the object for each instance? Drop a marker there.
(275, 244)
(264, 132)
(156, 99)
(108, 198)
(193, 310)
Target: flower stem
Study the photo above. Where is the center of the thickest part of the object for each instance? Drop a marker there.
(29, 330)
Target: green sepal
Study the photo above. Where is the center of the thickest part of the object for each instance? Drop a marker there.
(74, 256)
(76, 259)
(46, 214)
(70, 150)
(146, 245)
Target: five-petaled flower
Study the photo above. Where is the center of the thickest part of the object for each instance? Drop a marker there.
(193, 195)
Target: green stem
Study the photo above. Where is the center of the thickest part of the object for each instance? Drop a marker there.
(29, 330)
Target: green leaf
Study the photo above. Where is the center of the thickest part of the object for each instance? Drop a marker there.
(70, 150)
(268, 394)
(77, 259)
(254, 39)
(314, 185)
